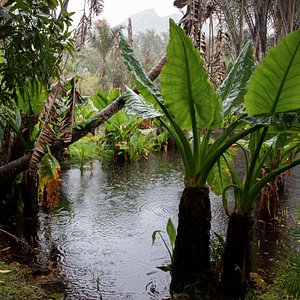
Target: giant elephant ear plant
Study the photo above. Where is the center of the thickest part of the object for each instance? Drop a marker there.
(273, 97)
(188, 101)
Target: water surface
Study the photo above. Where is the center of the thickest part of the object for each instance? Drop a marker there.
(103, 229)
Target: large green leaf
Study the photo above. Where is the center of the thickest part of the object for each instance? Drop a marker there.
(135, 105)
(275, 84)
(233, 88)
(185, 87)
(151, 94)
(281, 120)
(143, 83)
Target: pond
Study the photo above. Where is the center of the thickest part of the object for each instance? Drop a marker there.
(100, 234)
(103, 232)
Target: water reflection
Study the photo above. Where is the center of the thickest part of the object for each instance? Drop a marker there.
(100, 235)
(104, 235)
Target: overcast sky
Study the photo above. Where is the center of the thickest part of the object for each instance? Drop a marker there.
(116, 11)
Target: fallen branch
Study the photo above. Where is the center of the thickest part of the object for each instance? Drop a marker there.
(18, 240)
(9, 171)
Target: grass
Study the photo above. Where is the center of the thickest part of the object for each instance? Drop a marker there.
(13, 284)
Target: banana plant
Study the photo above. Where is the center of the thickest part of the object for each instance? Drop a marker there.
(49, 180)
(272, 98)
(187, 101)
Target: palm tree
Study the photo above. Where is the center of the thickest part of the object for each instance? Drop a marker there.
(101, 37)
(286, 17)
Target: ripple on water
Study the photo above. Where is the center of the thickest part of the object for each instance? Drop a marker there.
(104, 231)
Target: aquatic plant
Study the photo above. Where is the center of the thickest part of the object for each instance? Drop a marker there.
(171, 232)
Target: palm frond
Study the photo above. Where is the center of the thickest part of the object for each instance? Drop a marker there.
(181, 3)
(47, 135)
(54, 124)
(66, 124)
(217, 68)
(95, 7)
(81, 31)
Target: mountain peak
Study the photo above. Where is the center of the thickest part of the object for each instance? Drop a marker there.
(149, 19)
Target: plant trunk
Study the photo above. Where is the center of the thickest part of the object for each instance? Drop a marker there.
(236, 260)
(269, 201)
(191, 253)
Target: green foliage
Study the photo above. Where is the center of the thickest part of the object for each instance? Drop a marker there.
(134, 103)
(83, 150)
(288, 269)
(217, 249)
(33, 40)
(189, 100)
(149, 46)
(198, 102)
(101, 99)
(13, 284)
(126, 139)
(268, 90)
(275, 85)
(219, 176)
(171, 232)
(10, 115)
(233, 88)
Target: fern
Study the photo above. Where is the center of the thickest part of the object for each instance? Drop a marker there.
(289, 271)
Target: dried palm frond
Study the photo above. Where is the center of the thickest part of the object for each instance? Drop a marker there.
(65, 5)
(54, 128)
(197, 12)
(217, 67)
(95, 7)
(47, 135)
(287, 17)
(181, 3)
(129, 32)
(2, 2)
(66, 124)
(81, 31)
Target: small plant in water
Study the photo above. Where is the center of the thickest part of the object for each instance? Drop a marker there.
(171, 232)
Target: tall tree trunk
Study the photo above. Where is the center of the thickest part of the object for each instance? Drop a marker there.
(236, 260)
(191, 254)
(129, 32)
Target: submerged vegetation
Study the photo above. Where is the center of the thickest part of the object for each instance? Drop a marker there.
(211, 114)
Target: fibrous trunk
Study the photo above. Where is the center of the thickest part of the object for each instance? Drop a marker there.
(191, 254)
(269, 201)
(236, 260)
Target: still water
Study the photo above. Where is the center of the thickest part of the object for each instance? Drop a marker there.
(104, 225)
(99, 236)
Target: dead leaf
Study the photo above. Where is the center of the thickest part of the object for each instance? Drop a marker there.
(5, 249)
(5, 271)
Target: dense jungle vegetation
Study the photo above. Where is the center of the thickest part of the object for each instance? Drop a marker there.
(101, 93)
